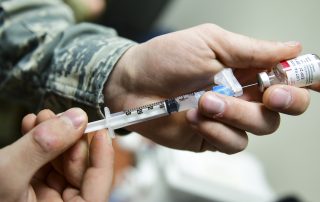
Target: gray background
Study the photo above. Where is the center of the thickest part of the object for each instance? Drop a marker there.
(290, 156)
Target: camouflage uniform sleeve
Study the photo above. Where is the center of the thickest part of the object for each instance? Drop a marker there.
(44, 56)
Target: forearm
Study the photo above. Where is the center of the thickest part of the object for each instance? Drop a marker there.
(43, 52)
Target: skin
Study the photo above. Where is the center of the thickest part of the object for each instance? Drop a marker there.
(186, 61)
(51, 162)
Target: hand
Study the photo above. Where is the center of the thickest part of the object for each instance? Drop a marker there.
(49, 163)
(186, 61)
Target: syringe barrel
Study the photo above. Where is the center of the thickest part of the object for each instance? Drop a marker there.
(189, 101)
(127, 118)
(147, 112)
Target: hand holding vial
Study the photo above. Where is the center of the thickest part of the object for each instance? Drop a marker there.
(186, 61)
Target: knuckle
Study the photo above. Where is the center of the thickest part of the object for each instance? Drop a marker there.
(205, 25)
(252, 50)
(209, 27)
(45, 139)
(44, 112)
(44, 115)
(274, 58)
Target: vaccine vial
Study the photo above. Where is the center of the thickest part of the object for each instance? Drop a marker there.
(300, 72)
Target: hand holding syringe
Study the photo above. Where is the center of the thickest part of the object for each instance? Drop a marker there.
(228, 85)
(300, 72)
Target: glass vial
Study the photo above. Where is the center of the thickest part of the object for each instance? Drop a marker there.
(301, 71)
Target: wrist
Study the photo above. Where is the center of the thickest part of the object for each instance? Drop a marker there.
(120, 79)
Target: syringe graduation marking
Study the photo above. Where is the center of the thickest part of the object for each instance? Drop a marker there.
(142, 113)
(140, 109)
(161, 104)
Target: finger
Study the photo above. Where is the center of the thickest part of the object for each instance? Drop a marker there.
(45, 142)
(205, 144)
(75, 162)
(28, 122)
(240, 51)
(224, 138)
(44, 115)
(44, 192)
(252, 117)
(56, 181)
(31, 120)
(287, 99)
(71, 194)
(98, 178)
(315, 87)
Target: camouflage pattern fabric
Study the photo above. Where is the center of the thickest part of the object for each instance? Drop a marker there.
(47, 61)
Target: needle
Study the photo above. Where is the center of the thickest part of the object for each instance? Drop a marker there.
(250, 85)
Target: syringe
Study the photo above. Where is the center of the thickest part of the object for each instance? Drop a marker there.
(301, 71)
(228, 85)
(146, 112)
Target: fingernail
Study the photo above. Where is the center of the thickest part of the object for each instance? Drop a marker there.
(76, 116)
(280, 98)
(214, 105)
(292, 43)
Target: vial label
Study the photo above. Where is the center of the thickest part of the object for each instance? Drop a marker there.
(301, 71)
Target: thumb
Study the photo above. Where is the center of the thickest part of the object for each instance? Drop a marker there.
(235, 50)
(45, 142)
